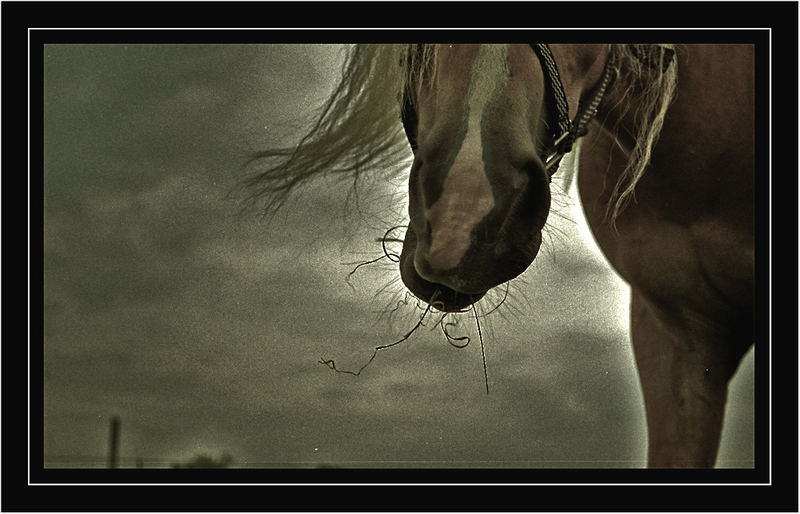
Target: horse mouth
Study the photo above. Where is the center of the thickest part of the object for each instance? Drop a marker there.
(439, 296)
(459, 293)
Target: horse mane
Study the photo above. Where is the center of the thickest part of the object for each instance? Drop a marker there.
(651, 88)
(358, 128)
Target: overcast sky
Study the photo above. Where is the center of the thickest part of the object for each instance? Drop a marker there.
(203, 331)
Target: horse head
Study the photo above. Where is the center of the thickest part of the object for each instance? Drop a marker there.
(479, 193)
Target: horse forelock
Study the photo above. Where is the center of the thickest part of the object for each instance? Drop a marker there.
(422, 63)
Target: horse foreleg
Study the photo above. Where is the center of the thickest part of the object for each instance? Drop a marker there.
(684, 366)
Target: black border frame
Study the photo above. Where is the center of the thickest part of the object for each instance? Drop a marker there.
(62, 22)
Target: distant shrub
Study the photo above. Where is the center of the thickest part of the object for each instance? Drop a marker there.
(205, 461)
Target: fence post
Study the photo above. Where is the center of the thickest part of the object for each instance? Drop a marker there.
(113, 443)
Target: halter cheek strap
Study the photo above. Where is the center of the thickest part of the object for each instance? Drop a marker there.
(567, 131)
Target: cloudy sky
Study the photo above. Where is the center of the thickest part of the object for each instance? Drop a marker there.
(203, 329)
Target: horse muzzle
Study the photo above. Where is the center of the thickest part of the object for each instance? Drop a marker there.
(457, 263)
(464, 285)
(438, 293)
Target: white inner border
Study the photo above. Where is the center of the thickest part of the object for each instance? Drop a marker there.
(769, 342)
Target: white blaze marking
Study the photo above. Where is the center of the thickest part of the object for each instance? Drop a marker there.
(466, 193)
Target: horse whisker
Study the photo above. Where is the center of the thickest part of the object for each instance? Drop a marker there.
(505, 296)
(365, 263)
(483, 351)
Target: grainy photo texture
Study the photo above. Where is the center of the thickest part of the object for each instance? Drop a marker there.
(398, 256)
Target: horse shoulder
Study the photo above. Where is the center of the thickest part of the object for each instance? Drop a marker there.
(688, 235)
(667, 246)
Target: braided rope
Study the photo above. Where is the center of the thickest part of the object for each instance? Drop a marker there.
(569, 131)
(581, 125)
(553, 83)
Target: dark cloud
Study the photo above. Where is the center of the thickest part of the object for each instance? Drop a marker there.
(203, 329)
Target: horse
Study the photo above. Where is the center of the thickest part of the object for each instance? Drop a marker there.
(665, 178)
